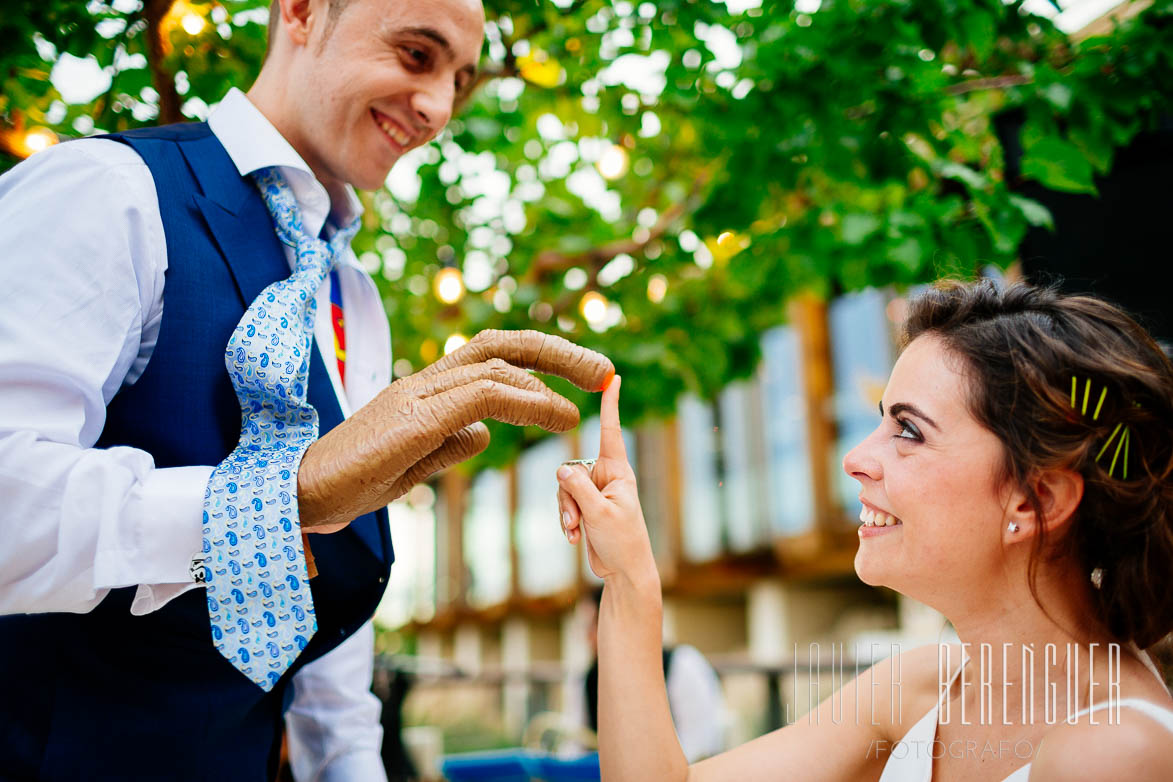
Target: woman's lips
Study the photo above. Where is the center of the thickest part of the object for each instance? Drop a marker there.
(876, 521)
(866, 531)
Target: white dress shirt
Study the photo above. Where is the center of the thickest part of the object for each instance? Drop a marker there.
(81, 300)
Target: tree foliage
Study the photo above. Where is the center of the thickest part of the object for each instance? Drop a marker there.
(749, 154)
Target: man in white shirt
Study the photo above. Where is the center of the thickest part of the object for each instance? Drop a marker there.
(96, 241)
(695, 697)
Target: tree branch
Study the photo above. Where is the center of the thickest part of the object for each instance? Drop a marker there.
(163, 80)
(989, 83)
(549, 262)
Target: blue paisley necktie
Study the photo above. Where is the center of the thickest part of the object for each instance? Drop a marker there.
(259, 599)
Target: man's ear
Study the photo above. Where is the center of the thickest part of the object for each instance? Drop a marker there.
(1059, 493)
(298, 18)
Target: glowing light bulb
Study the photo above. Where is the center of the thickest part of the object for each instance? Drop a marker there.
(39, 138)
(593, 307)
(192, 23)
(454, 342)
(448, 286)
(613, 163)
(657, 288)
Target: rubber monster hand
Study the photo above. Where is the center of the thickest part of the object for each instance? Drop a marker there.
(431, 420)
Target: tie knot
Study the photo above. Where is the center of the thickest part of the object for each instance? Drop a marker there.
(282, 205)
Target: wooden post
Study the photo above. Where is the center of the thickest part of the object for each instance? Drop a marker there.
(808, 313)
(514, 556)
(674, 506)
(455, 488)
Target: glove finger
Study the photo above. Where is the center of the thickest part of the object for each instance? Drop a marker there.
(463, 445)
(494, 369)
(481, 399)
(529, 349)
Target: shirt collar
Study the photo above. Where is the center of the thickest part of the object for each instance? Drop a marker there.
(252, 142)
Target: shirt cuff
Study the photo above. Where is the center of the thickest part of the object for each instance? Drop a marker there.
(153, 541)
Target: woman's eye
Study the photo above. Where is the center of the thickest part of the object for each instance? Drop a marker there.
(907, 430)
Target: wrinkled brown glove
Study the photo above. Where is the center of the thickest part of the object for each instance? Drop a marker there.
(428, 421)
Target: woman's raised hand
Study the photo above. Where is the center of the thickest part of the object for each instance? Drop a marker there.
(602, 505)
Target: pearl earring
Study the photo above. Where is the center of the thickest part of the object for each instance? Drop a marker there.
(1012, 527)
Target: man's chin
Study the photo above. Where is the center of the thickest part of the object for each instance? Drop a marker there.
(371, 178)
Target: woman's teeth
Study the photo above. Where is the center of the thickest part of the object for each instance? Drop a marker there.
(397, 135)
(876, 518)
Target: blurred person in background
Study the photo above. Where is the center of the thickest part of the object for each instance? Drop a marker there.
(694, 691)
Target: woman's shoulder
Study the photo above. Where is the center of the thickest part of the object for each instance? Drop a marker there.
(925, 670)
(1134, 741)
(903, 687)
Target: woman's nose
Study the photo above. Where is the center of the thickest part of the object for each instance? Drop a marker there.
(861, 462)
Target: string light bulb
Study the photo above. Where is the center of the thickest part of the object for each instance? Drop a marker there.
(38, 139)
(613, 163)
(448, 285)
(657, 288)
(454, 342)
(192, 23)
(593, 307)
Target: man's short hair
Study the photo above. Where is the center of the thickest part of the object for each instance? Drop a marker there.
(335, 10)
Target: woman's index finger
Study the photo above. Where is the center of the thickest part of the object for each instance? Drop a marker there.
(611, 445)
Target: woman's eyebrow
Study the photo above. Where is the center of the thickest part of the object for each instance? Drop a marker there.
(905, 407)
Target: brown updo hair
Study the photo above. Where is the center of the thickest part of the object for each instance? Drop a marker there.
(1020, 346)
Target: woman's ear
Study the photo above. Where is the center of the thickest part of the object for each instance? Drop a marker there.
(1059, 493)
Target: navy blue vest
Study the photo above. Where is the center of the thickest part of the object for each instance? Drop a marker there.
(110, 696)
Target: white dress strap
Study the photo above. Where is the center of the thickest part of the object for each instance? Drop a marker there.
(1161, 714)
(911, 759)
(1157, 713)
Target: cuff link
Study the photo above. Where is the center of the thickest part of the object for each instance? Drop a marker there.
(198, 570)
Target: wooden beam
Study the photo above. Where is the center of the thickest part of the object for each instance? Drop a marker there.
(808, 313)
(455, 487)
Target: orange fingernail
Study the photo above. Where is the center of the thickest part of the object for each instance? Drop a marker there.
(607, 380)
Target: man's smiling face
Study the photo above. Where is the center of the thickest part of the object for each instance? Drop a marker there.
(379, 79)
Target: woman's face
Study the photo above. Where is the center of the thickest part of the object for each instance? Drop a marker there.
(932, 517)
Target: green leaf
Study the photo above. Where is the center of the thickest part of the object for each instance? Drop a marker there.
(1034, 212)
(982, 32)
(1059, 95)
(908, 253)
(1059, 165)
(964, 174)
(858, 227)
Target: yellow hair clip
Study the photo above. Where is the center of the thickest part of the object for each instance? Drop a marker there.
(1125, 438)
